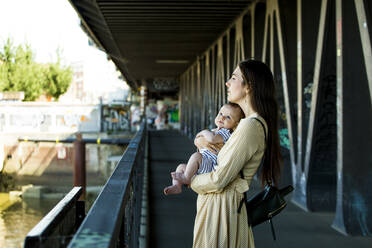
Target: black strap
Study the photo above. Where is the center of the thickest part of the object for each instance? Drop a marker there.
(263, 158)
(272, 228)
(263, 126)
(244, 200)
(241, 172)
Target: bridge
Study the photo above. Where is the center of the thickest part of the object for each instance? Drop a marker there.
(320, 54)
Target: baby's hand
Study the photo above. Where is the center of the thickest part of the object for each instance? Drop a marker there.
(215, 148)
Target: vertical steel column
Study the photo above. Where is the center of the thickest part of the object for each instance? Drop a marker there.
(199, 96)
(228, 55)
(213, 84)
(366, 41)
(299, 92)
(267, 17)
(284, 78)
(339, 217)
(193, 105)
(180, 102)
(79, 164)
(318, 60)
(189, 102)
(252, 10)
(207, 81)
(270, 10)
(354, 120)
(239, 42)
(220, 76)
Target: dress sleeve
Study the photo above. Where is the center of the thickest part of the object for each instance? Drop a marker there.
(237, 151)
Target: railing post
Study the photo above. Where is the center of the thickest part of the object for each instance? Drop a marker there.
(79, 164)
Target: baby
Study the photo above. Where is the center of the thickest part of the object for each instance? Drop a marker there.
(204, 161)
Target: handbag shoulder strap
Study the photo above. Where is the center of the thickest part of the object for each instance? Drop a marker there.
(263, 126)
(241, 172)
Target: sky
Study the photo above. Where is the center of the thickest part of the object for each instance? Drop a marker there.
(46, 25)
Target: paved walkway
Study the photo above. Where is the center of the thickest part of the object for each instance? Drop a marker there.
(172, 217)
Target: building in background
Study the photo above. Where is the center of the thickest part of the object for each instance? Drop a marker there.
(95, 78)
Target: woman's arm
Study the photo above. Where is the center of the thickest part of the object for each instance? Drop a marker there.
(201, 142)
(211, 137)
(239, 149)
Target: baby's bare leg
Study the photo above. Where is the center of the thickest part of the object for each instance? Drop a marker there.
(176, 187)
(191, 168)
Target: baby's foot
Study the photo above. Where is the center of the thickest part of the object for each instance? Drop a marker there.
(180, 177)
(173, 190)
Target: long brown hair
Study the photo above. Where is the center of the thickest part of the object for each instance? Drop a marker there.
(259, 79)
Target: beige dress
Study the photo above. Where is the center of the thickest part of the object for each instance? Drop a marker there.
(217, 222)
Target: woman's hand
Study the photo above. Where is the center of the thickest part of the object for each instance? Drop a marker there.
(201, 142)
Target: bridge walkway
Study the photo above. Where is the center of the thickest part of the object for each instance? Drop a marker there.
(172, 217)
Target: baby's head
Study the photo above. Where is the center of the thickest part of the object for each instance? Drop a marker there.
(229, 116)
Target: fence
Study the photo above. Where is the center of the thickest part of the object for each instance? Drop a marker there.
(114, 218)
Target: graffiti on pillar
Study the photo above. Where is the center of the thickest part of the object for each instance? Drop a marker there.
(283, 129)
(116, 118)
(308, 90)
(360, 211)
(325, 139)
(322, 168)
(284, 140)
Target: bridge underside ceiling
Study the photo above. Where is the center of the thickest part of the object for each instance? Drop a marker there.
(154, 42)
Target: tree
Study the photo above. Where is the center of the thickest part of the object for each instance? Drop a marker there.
(20, 72)
(58, 79)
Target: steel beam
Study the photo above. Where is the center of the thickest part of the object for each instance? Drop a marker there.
(354, 117)
(326, 98)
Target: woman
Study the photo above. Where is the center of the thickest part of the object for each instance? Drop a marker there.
(218, 223)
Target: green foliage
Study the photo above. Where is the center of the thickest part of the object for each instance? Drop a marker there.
(20, 72)
(58, 80)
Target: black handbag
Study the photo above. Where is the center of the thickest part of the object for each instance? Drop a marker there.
(266, 204)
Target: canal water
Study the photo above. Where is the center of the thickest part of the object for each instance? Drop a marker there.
(18, 217)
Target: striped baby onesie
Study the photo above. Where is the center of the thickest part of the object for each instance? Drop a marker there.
(209, 159)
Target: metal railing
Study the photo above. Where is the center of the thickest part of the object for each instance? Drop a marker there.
(111, 141)
(114, 219)
(58, 226)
